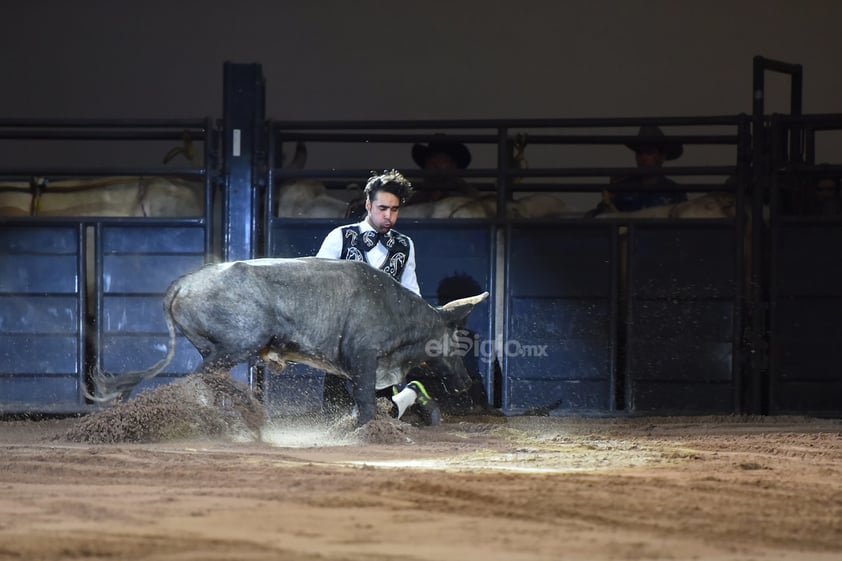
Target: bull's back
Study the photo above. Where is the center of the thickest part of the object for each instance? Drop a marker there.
(308, 301)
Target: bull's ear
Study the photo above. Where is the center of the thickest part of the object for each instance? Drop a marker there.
(456, 311)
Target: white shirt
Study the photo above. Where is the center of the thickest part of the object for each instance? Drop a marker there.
(332, 249)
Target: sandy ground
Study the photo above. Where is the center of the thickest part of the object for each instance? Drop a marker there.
(490, 488)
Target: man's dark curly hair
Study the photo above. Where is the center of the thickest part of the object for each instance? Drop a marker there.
(390, 181)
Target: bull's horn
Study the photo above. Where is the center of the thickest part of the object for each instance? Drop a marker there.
(454, 313)
(469, 301)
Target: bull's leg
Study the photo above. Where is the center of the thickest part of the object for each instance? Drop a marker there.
(363, 381)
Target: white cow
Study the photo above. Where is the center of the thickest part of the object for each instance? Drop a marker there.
(106, 196)
(529, 205)
(309, 198)
(709, 205)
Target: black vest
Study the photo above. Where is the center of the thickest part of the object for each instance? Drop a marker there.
(355, 246)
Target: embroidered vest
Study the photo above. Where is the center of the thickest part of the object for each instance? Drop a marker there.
(355, 247)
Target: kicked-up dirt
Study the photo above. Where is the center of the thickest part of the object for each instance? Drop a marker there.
(486, 488)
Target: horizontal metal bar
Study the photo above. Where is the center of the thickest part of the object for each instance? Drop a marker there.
(99, 172)
(105, 123)
(66, 134)
(357, 174)
(823, 169)
(36, 221)
(627, 139)
(509, 123)
(578, 187)
(824, 119)
(777, 65)
(493, 138)
(599, 187)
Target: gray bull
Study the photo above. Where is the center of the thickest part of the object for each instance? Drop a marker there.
(343, 317)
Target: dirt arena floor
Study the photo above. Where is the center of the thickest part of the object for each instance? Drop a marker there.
(485, 488)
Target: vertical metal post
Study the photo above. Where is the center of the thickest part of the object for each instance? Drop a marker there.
(243, 115)
(758, 88)
(501, 231)
(211, 177)
(796, 81)
(244, 101)
(764, 155)
(755, 338)
(743, 179)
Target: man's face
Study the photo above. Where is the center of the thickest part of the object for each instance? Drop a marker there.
(383, 211)
(649, 157)
(439, 161)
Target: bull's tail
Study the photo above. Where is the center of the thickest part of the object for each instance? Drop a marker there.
(108, 387)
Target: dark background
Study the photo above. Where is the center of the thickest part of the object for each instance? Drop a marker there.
(373, 59)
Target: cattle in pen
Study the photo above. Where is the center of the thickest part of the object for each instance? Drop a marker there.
(709, 205)
(311, 199)
(129, 196)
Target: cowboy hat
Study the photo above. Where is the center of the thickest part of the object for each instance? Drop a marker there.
(650, 135)
(442, 145)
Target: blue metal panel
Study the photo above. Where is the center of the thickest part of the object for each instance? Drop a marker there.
(576, 345)
(35, 313)
(139, 262)
(141, 314)
(148, 239)
(40, 327)
(808, 260)
(131, 352)
(39, 353)
(39, 273)
(559, 286)
(680, 327)
(290, 237)
(145, 273)
(806, 320)
(529, 395)
(447, 248)
(683, 262)
(38, 240)
(39, 393)
(678, 398)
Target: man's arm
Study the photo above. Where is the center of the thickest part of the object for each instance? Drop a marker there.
(332, 245)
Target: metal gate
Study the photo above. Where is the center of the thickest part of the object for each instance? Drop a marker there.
(619, 316)
(805, 274)
(84, 293)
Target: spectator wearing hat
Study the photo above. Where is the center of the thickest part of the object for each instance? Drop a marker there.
(651, 151)
(441, 157)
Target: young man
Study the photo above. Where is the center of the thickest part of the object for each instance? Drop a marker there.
(650, 153)
(442, 156)
(374, 241)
